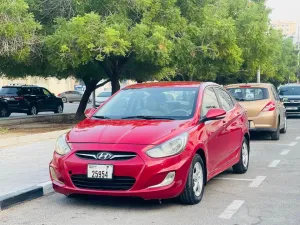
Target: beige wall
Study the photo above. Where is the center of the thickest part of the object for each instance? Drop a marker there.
(288, 28)
(52, 84)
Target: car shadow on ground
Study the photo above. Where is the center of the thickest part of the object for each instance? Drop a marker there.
(116, 203)
(260, 136)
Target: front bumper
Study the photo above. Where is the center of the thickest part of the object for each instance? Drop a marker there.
(265, 121)
(292, 108)
(144, 171)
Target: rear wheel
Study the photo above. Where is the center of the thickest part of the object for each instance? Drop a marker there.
(32, 110)
(284, 129)
(194, 187)
(242, 166)
(276, 134)
(4, 112)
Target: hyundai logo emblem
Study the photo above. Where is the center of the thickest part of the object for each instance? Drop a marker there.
(104, 156)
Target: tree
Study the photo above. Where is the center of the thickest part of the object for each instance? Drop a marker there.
(18, 30)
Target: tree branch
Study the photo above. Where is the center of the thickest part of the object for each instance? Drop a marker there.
(102, 84)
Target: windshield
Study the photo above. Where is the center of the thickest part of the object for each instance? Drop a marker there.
(104, 94)
(10, 91)
(249, 94)
(150, 103)
(289, 91)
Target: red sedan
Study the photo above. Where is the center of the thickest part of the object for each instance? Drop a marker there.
(154, 141)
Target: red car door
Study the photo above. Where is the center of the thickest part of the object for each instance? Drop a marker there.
(233, 126)
(213, 132)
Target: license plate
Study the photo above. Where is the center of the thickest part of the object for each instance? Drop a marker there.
(291, 108)
(100, 171)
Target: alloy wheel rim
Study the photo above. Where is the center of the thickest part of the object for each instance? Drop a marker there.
(285, 123)
(59, 109)
(3, 113)
(245, 155)
(197, 179)
(33, 110)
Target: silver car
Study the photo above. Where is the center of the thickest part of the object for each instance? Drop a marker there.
(102, 97)
(71, 96)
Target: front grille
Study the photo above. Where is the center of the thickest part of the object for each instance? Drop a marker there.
(290, 104)
(92, 155)
(115, 184)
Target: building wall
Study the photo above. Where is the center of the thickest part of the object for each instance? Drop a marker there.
(288, 28)
(52, 84)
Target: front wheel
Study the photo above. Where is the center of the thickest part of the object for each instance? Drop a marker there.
(59, 109)
(194, 187)
(242, 166)
(32, 110)
(284, 129)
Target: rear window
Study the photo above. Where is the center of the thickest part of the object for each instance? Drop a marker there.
(249, 94)
(289, 91)
(104, 94)
(10, 91)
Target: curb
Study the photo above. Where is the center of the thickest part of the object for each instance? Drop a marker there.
(37, 118)
(31, 138)
(11, 199)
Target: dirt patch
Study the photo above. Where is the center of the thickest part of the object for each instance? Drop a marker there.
(33, 128)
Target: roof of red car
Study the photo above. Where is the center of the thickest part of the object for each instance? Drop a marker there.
(165, 84)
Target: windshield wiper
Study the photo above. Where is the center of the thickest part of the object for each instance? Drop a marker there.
(102, 117)
(148, 118)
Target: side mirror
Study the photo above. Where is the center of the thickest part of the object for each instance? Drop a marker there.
(284, 99)
(214, 114)
(89, 112)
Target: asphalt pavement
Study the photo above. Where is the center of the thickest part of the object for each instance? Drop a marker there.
(268, 194)
(68, 108)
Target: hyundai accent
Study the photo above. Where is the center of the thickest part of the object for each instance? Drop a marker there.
(154, 141)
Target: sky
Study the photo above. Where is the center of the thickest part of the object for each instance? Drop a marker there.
(285, 10)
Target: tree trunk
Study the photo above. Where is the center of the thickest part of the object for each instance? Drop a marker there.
(115, 83)
(90, 87)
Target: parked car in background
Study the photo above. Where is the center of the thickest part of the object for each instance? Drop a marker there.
(102, 97)
(4, 109)
(265, 110)
(71, 96)
(30, 99)
(290, 95)
(139, 143)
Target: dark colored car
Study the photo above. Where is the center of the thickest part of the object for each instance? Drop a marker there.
(4, 109)
(154, 141)
(290, 95)
(30, 99)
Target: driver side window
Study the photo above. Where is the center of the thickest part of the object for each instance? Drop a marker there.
(209, 101)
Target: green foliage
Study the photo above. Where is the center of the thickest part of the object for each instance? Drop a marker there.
(214, 40)
(17, 30)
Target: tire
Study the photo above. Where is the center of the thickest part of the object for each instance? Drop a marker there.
(64, 99)
(276, 134)
(4, 112)
(242, 166)
(284, 129)
(190, 196)
(33, 111)
(59, 109)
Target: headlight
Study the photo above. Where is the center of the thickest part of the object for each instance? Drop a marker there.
(62, 146)
(169, 148)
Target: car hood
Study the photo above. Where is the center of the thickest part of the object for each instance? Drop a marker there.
(143, 132)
